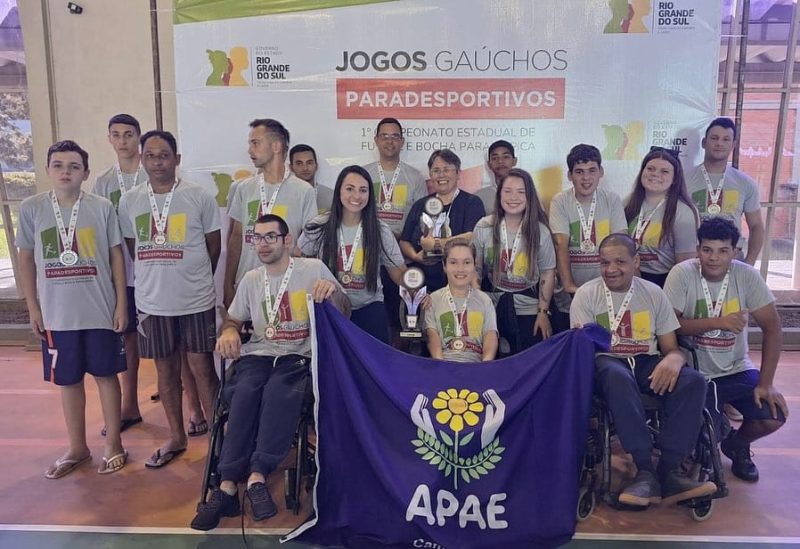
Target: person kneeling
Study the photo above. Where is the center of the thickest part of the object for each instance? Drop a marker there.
(273, 372)
(641, 320)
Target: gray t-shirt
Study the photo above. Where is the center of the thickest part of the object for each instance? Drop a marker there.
(739, 195)
(648, 316)
(310, 245)
(174, 279)
(487, 195)
(80, 297)
(409, 188)
(726, 353)
(107, 186)
(478, 320)
(293, 326)
(296, 204)
(609, 218)
(517, 280)
(324, 198)
(658, 258)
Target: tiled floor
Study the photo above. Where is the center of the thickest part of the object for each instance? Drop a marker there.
(32, 436)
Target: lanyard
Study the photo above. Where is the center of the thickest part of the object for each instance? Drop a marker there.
(67, 235)
(388, 190)
(458, 316)
(160, 218)
(443, 220)
(713, 194)
(266, 207)
(715, 310)
(643, 221)
(616, 319)
(272, 307)
(121, 180)
(586, 224)
(347, 260)
(512, 254)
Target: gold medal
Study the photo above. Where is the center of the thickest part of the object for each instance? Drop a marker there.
(270, 332)
(346, 278)
(458, 344)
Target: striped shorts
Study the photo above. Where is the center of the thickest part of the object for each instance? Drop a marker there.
(160, 336)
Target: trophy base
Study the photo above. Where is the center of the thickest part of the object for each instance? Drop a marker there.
(410, 334)
(432, 258)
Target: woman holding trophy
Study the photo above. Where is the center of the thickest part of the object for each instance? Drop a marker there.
(446, 214)
(515, 254)
(354, 244)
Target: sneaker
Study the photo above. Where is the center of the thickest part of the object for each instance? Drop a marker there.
(218, 505)
(732, 413)
(261, 502)
(643, 491)
(740, 454)
(677, 485)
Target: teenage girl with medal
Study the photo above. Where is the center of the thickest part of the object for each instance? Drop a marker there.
(460, 321)
(660, 214)
(354, 244)
(516, 255)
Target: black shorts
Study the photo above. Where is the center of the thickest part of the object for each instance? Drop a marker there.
(737, 390)
(133, 321)
(69, 354)
(160, 336)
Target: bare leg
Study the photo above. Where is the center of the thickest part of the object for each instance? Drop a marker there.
(754, 429)
(202, 367)
(169, 387)
(108, 387)
(190, 387)
(73, 403)
(130, 378)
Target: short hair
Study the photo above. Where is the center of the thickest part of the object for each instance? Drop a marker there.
(275, 128)
(272, 218)
(68, 146)
(620, 239)
(501, 143)
(126, 119)
(165, 135)
(301, 148)
(582, 153)
(722, 122)
(388, 120)
(447, 156)
(455, 243)
(718, 228)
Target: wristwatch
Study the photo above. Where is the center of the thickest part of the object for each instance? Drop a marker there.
(545, 311)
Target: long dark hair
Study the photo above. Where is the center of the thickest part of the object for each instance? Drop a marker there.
(328, 240)
(676, 193)
(534, 214)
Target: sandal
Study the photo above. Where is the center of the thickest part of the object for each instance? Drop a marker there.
(160, 459)
(63, 467)
(113, 464)
(198, 428)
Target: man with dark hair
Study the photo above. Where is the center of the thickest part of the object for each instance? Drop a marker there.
(500, 160)
(127, 173)
(172, 230)
(303, 163)
(721, 190)
(272, 371)
(274, 189)
(713, 296)
(641, 321)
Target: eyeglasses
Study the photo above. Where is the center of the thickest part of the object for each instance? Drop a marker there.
(443, 171)
(390, 136)
(674, 153)
(269, 238)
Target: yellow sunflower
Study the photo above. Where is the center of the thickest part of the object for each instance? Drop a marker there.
(457, 408)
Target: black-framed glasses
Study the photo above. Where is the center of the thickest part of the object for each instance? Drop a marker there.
(674, 153)
(269, 238)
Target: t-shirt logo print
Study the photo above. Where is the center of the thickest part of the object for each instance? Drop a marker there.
(461, 413)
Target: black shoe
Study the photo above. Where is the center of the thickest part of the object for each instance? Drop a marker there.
(261, 502)
(742, 466)
(677, 485)
(218, 505)
(643, 491)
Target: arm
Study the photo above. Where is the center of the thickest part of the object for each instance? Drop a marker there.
(27, 280)
(325, 289)
(489, 343)
(770, 324)
(756, 238)
(229, 343)
(118, 277)
(561, 242)
(396, 273)
(409, 252)
(434, 343)
(542, 322)
(232, 261)
(665, 375)
(214, 247)
(131, 244)
(732, 322)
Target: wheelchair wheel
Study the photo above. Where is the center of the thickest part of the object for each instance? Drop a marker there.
(703, 510)
(292, 499)
(586, 504)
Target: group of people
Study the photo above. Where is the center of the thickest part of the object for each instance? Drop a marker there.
(127, 271)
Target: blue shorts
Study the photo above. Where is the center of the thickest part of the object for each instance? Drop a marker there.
(133, 319)
(69, 354)
(737, 390)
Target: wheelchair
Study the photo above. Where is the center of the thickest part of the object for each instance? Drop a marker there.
(705, 458)
(302, 470)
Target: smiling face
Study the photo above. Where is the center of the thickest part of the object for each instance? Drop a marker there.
(513, 199)
(585, 177)
(444, 176)
(657, 177)
(617, 267)
(354, 193)
(459, 266)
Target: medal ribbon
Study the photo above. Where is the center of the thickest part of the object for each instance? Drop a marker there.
(713, 194)
(66, 235)
(714, 309)
(121, 180)
(586, 225)
(388, 190)
(160, 218)
(348, 260)
(458, 316)
(512, 254)
(643, 221)
(272, 307)
(440, 220)
(266, 207)
(616, 319)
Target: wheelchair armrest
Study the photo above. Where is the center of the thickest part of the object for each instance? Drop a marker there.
(687, 344)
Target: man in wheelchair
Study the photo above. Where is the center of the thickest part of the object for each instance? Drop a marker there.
(272, 370)
(641, 321)
(713, 296)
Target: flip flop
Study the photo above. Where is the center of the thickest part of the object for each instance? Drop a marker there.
(63, 467)
(198, 428)
(121, 460)
(159, 459)
(126, 424)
